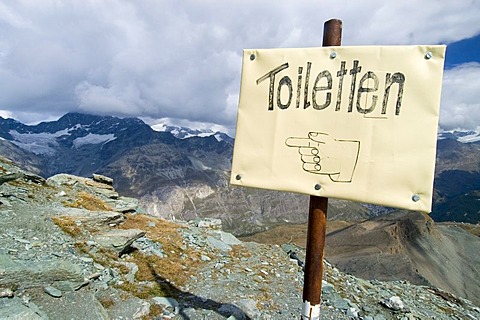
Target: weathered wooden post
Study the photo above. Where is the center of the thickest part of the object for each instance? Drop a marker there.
(317, 217)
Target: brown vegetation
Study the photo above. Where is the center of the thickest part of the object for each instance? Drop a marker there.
(88, 202)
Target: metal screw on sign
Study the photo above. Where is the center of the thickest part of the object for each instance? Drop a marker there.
(318, 186)
(415, 198)
(428, 55)
(252, 57)
(333, 55)
(238, 177)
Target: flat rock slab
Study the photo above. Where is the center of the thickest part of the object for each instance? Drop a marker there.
(79, 305)
(15, 309)
(229, 238)
(123, 204)
(222, 240)
(54, 292)
(92, 218)
(102, 179)
(118, 240)
(121, 307)
(32, 274)
(218, 244)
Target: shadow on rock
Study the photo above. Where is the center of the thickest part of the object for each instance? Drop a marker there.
(189, 300)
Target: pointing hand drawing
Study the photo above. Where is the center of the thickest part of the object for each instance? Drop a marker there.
(322, 154)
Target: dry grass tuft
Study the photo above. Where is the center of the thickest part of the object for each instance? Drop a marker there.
(143, 291)
(68, 225)
(155, 311)
(106, 302)
(239, 251)
(181, 262)
(157, 229)
(89, 202)
(73, 226)
(156, 276)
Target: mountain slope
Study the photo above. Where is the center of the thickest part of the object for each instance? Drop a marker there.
(24, 159)
(457, 182)
(187, 176)
(72, 249)
(409, 245)
(400, 245)
(176, 178)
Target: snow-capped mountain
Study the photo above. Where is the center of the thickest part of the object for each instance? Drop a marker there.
(185, 133)
(182, 177)
(184, 173)
(460, 136)
(73, 130)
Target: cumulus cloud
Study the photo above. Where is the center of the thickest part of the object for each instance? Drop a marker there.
(460, 106)
(182, 60)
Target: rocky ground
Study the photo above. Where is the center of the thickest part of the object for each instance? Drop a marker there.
(72, 248)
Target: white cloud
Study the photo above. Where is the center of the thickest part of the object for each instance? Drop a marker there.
(460, 106)
(182, 59)
(5, 114)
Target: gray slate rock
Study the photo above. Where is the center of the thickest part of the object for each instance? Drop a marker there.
(394, 303)
(72, 305)
(102, 179)
(168, 303)
(10, 177)
(6, 293)
(38, 273)
(229, 238)
(211, 223)
(124, 204)
(218, 244)
(119, 240)
(54, 292)
(92, 218)
(14, 309)
(123, 307)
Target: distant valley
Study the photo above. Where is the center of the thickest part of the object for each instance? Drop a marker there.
(399, 245)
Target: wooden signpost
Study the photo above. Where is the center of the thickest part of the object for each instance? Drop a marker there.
(317, 217)
(354, 123)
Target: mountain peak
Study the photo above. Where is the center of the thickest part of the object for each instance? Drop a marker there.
(463, 136)
(181, 132)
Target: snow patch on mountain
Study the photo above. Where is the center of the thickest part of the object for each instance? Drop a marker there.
(93, 138)
(185, 133)
(45, 143)
(38, 143)
(182, 129)
(199, 165)
(470, 138)
(459, 135)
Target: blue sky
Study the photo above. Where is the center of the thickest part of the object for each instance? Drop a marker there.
(179, 62)
(463, 51)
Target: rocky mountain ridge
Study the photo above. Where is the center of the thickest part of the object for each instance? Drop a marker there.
(187, 176)
(463, 136)
(74, 248)
(185, 133)
(398, 245)
(173, 178)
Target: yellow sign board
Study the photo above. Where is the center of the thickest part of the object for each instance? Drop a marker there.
(355, 123)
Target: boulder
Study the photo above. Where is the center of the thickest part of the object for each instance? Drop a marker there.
(102, 179)
(118, 240)
(15, 309)
(38, 273)
(92, 218)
